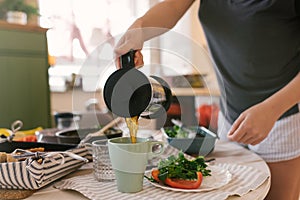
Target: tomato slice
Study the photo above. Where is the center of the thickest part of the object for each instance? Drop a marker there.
(179, 183)
(155, 173)
(28, 138)
(185, 184)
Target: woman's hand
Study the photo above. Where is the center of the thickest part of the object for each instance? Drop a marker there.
(253, 125)
(138, 60)
(132, 39)
(157, 20)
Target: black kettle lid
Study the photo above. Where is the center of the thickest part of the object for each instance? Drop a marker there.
(127, 91)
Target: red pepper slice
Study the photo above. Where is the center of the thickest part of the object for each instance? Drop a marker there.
(179, 183)
(28, 138)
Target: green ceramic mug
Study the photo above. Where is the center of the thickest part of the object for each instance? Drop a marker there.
(129, 161)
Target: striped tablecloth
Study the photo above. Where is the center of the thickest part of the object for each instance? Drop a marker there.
(244, 179)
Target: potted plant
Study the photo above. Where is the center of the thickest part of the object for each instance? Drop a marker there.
(17, 11)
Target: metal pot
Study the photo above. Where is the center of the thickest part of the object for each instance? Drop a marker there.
(74, 136)
(128, 92)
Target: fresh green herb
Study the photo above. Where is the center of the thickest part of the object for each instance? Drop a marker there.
(176, 132)
(151, 179)
(181, 168)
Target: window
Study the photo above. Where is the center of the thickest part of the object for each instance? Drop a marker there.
(77, 28)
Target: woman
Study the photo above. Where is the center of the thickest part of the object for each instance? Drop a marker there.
(255, 45)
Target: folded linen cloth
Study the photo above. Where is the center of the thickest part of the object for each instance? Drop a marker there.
(244, 179)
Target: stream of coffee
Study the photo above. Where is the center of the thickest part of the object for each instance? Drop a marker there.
(132, 124)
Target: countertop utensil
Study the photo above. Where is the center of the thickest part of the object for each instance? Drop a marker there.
(100, 132)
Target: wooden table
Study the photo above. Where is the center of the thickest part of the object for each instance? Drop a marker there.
(227, 152)
(224, 152)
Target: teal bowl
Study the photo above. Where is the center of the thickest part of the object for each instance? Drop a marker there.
(199, 141)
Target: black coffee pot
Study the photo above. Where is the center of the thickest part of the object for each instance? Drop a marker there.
(128, 92)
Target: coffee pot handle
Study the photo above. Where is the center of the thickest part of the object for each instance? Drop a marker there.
(127, 60)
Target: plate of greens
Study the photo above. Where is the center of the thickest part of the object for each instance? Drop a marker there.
(177, 173)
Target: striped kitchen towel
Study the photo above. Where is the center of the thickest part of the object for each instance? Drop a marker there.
(34, 173)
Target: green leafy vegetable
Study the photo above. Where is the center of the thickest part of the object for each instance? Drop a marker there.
(176, 132)
(151, 179)
(181, 168)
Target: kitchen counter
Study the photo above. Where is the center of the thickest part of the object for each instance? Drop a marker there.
(195, 92)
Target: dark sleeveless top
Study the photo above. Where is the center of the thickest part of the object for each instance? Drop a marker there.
(255, 45)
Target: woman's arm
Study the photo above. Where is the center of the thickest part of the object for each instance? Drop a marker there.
(285, 98)
(156, 21)
(164, 15)
(254, 124)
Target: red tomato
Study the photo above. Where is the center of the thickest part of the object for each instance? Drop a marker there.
(155, 173)
(179, 183)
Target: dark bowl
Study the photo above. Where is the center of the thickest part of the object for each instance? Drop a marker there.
(74, 136)
(201, 144)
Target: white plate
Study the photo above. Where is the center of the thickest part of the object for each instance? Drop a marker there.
(219, 177)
